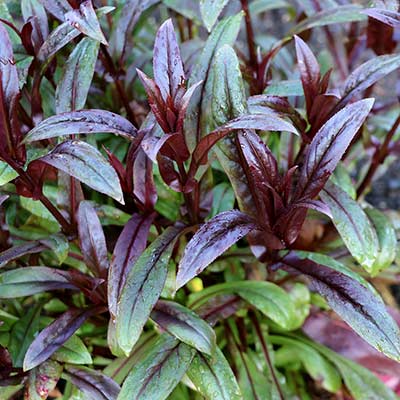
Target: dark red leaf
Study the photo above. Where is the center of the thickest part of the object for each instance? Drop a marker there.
(167, 63)
(388, 17)
(91, 240)
(210, 241)
(380, 37)
(51, 338)
(309, 71)
(328, 147)
(130, 244)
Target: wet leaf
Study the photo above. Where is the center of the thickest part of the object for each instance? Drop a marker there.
(210, 11)
(143, 287)
(158, 371)
(210, 241)
(73, 351)
(74, 84)
(85, 163)
(185, 325)
(353, 225)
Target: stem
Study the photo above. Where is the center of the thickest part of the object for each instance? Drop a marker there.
(250, 43)
(378, 158)
(264, 346)
(110, 67)
(66, 227)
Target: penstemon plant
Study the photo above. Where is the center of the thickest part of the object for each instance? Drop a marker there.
(183, 207)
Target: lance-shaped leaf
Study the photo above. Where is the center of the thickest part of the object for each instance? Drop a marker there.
(86, 163)
(353, 225)
(267, 297)
(129, 16)
(82, 122)
(361, 308)
(309, 71)
(386, 237)
(167, 62)
(367, 74)
(328, 147)
(74, 84)
(60, 37)
(213, 377)
(388, 17)
(335, 15)
(42, 380)
(92, 240)
(51, 338)
(185, 325)
(57, 7)
(143, 287)
(359, 381)
(31, 280)
(210, 241)
(22, 334)
(16, 252)
(198, 115)
(244, 122)
(73, 351)
(85, 20)
(158, 371)
(94, 384)
(210, 11)
(130, 245)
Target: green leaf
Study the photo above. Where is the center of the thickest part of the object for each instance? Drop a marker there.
(120, 367)
(386, 237)
(260, 6)
(42, 380)
(22, 334)
(59, 245)
(213, 377)
(267, 297)
(337, 15)
(353, 225)
(73, 351)
(158, 371)
(142, 289)
(285, 88)
(185, 325)
(223, 198)
(362, 384)
(341, 178)
(197, 119)
(85, 163)
(229, 102)
(317, 366)
(7, 174)
(74, 84)
(210, 11)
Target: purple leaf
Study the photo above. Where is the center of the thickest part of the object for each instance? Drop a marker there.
(33, 11)
(15, 252)
(82, 122)
(31, 280)
(143, 287)
(94, 384)
(57, 7)
(328, 147)
(86, 163)
(85, 20)
(309, 71)
(130, 245)
(388, 17)
(51, 338)
(167, 63)
(61, 36)
(361, 308)
(91, 240)
(210, 241)
(130, 14)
